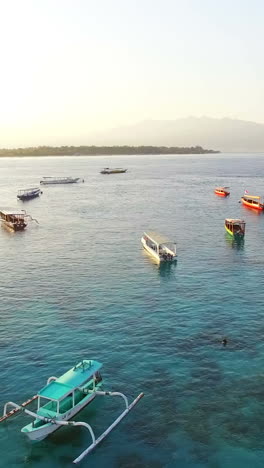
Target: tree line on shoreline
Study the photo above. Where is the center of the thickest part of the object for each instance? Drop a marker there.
(102, 150)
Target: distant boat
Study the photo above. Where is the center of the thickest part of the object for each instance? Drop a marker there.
(27, 194)
(15, 220)
(60, 180)
(222, 191)
(253, 201)
(159, 247)
(117, 170)
(235, 227)
(62, 398)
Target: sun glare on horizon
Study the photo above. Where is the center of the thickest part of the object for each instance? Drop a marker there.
(71, 69)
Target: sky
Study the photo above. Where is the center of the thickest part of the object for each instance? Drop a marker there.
(73, 67)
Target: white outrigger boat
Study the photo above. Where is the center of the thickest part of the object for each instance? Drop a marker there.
(60, 180)
(62, 398)
(159, 247)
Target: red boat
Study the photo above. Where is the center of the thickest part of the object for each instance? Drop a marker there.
(252, 201)
(222, 191)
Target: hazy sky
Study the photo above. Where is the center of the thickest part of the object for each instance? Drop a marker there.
(71, 67)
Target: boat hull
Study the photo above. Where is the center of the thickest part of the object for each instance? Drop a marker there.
(259, 207)
(40, 433)
(74, 181)
(150, 251)
(112, 172)
(28, 197)
(221, 194)
(235, 236)
(13, 226)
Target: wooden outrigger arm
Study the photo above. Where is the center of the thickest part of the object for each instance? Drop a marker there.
(21, 407)
(16, 408)
(32, 219)
(58, 422)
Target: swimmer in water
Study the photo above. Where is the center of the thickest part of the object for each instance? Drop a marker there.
(224, 342)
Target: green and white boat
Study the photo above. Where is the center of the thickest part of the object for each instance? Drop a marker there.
(235, 227)
(62, 398)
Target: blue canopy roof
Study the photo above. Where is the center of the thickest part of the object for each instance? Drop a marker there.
(73, 378)
(55, 390)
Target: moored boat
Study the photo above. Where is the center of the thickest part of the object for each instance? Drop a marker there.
(60, 180)
(117, 170)
(222, 191)
(27, 194)
(235, 227)
(64, 397)
(253, 201)
(159, 247)
(15, 220)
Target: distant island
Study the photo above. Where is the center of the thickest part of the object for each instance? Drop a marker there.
(224, 134)
(102, 150)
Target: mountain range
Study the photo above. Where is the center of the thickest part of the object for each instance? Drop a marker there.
(226, 135)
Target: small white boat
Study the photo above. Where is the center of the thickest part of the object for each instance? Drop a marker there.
(159, 247)
(60, 180)
(62, 398)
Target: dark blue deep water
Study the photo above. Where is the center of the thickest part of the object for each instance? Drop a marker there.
(80, 286)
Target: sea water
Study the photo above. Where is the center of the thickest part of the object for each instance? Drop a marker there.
(79, 285)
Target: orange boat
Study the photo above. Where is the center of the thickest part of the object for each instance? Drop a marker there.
(222, 191)
(253, 201)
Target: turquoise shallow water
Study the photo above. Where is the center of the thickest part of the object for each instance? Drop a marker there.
(79, 285)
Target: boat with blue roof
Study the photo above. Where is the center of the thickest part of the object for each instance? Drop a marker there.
(62, 398)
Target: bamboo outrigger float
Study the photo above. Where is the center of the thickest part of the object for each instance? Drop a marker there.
(62, 398)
